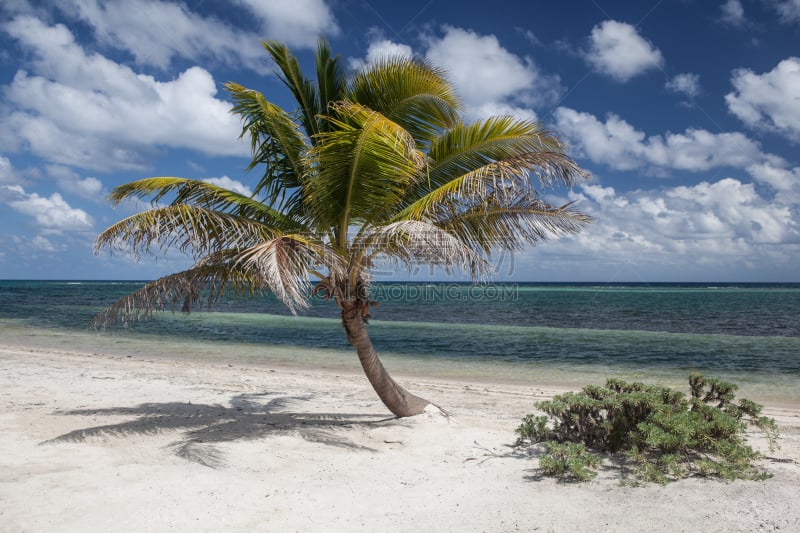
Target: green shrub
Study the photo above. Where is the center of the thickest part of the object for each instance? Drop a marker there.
(663, 433)
(569, 460)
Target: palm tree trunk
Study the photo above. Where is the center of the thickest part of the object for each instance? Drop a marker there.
(398, 400)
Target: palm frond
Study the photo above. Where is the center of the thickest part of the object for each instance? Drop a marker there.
(191, 229)
(210, 280)
(331, 81)
(506, 177)
(364, 167)
(283, 264)
(275, 140)
(203, 194)
(413, 243)
(468, 147)
(410, 92)
(301, 87)
(503, 223)
(479, 185)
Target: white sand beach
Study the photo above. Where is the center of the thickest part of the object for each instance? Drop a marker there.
(101, 442)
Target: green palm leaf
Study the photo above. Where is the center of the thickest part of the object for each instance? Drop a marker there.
(331, 82)
(468, 147)
(497, 177)
(301, 87)
(276, 142)
(363, 168)
(412, 93)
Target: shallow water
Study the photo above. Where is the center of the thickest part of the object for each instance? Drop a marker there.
(523, 333)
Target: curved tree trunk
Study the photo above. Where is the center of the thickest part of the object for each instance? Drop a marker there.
(398, 400)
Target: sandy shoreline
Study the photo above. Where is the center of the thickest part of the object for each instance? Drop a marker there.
(93, 442)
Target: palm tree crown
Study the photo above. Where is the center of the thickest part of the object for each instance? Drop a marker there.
(374, 164)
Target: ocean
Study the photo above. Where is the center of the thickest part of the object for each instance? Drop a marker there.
(569, 334)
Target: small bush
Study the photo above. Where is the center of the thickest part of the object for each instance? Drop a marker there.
(664, 434)
(569, 460)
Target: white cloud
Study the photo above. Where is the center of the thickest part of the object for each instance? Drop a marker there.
(479, 66)
(7, 172)
(784, 180)
(617, 50)
(88, 188)
(156, 32)
(43, 244)
(381, 49)
(228, 183)
(686, 84)
(619, 145)
(494, 109)
(737, 211)
(68, 181)
(769, 101)
(53, 213)
(487, 76)
(294, 22)
(733, 13)
(683, 232)
(529, 36)
(113, 117)
(789, 10)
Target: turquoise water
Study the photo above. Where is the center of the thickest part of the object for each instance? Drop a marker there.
(750, 333)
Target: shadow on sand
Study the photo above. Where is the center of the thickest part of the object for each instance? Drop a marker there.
(248, 417)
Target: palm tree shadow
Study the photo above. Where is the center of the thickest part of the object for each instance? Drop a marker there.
(248, 417)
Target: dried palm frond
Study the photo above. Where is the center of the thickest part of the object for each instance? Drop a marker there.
(210, 280)
(413, 243)
(190, 229)
(283, 265)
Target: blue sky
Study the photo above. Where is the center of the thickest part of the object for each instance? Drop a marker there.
(686, 113)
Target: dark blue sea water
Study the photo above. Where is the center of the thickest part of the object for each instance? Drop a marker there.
(745, 330)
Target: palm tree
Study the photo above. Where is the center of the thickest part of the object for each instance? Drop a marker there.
(373, 164)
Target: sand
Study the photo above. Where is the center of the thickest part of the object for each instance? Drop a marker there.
(97, 442)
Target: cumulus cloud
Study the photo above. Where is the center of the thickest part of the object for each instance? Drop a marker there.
(686, 84)
(769, 101)
(786, 181)
(489, 79)
(113, 117)
(479, 66)
(7, 172)
(68, 181)
(789, 10)
(382, 49)
(43, 244)
(156, 32)
(617, 50)
(232, 184)
(733, 13)
(294, 22)
(616, 143)
(722, 227)
(53, 213)
(494, 109)
(487, 76)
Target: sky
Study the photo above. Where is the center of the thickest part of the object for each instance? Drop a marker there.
(685, 114)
